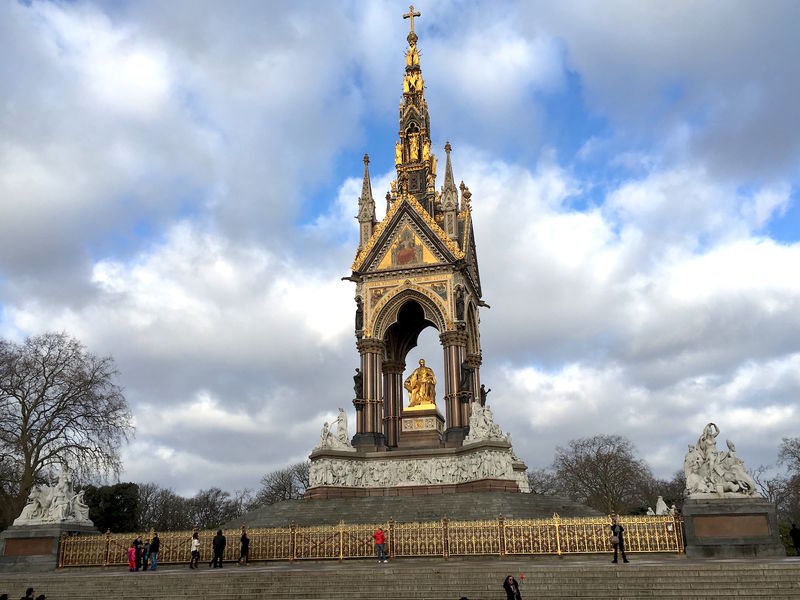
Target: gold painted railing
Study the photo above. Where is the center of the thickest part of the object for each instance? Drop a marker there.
(579, 535)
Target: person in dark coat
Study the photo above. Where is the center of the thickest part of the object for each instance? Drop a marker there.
(511, 587)
(794, 533)
(137, 546)
(218, 544)
(244, 553)
(28, 594)
(155, 545)
(617, 530)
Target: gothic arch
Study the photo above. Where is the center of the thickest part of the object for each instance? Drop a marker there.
(387, 314)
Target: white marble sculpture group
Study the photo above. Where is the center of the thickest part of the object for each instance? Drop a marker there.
(340, 441)
(661, 509)
(482, 425)
(711, 473)
(55, 504)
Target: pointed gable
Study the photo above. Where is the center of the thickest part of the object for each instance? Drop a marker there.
(407, 237)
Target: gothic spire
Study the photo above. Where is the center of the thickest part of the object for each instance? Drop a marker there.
(366, 186)
(416, 166)
(449, 198)
(449, 191)
(366, 207)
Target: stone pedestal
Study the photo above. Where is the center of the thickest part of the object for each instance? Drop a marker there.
(35, 547)
(421, 428)
(731, 528)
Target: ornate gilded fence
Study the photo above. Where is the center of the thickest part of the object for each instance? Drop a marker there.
(580, 535)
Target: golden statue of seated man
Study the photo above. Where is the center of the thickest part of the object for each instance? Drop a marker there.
(421, 386)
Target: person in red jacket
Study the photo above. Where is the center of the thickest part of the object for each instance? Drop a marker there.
(131, 558)
(380, 544)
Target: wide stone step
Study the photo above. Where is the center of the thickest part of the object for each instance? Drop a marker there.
(416, 579)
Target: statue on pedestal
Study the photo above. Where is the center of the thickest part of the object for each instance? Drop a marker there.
(55, 504)
(712, 472)
(421, 386)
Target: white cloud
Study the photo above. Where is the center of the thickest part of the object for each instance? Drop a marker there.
(169, 194)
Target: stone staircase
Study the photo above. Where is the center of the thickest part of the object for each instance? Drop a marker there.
(647, 576)
(468, 506)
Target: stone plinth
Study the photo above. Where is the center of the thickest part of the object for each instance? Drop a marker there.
(479, 466)
(731, 528)
(35, 547)
(421, 428)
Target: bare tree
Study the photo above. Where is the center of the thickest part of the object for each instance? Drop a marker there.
(789, 454)
(543, 482)
(603, 472)
(58, 405)
(289, 483)
(213, 507)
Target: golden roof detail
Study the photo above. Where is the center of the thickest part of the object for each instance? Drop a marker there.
(434, 227)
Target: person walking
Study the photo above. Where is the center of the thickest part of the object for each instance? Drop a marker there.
(617, 539)
(511, 587)
(195, 551)
(218, 545)
(244, 552)
(155, 546)
(380, 544)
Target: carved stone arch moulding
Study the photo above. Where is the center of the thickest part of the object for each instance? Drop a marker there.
(387, 310)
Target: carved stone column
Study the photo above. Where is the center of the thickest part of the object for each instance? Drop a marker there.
(392, 399)
(454, 344)
(369, 417)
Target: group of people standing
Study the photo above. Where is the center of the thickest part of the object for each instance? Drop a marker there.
(144, 555)
(141, 553)
(218, 545)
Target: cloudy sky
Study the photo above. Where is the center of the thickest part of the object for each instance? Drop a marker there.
(178, 182)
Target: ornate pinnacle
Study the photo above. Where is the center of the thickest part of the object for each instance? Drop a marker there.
(447, 149)
(366, 159)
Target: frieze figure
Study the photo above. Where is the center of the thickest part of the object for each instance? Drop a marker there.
(495, 464)
(710, 472)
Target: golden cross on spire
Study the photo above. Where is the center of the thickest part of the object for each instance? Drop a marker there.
(410, 15)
